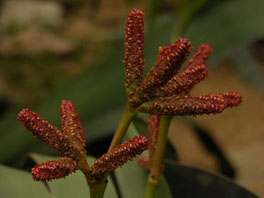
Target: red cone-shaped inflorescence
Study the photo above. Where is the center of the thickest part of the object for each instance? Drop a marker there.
(168, 63)
(200, 56)
(192, 105)
(43, 130)
(134, 54)
(70, 142)
(182, 83)
(54, 169)
(164, 91)
(119, 156)
(153, 129)
(134, 47)
(72, 127)
(232, 98)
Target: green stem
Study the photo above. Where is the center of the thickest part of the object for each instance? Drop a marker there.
(155, 170)
(151, 187)
(98, 190)
(123, 125)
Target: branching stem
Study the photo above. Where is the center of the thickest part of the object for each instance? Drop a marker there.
(97, 190)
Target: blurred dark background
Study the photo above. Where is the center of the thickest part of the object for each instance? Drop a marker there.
(52, 50)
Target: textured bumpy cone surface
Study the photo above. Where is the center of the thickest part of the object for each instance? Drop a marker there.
(184, 82)
(54, 169)
(193, 105)
(69, 142)
(119, 155)
(200, 56)
(43, 130)
(153, 128)
(134, 54)
(134, 48)
(168, 63)
(72, 127)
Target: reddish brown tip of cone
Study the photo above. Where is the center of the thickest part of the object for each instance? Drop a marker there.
(232, 98)
(200, 56)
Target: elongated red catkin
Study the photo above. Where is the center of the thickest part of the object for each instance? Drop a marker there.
(200, 56)
(193, 105)
(119, 155)
(43, 130)
(232, 98)
(134, 48)
(72, 127)
(168, 63)
(61, 142)
(182, 83)
(185, 105)
(54, 169)
(153, 129)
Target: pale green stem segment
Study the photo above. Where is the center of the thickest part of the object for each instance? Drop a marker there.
(155, 170)
(123, 125)
(98, 190)
(151, 187)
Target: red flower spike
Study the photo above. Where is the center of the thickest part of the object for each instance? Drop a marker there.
(153, 129)
(200, 56)
(54, 169)
(168, 63)
(134, 47)
(72, 127)
(43, 130)
(186, 105)
(119, 155)
(232, 98)
(185, 81)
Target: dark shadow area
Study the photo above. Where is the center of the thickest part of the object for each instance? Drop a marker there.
(186, 182)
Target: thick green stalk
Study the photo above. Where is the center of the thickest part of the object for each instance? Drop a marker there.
(123, 125)
(155, 169)
(151, 187)
(98, 190)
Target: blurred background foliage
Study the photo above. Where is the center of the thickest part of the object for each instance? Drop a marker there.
(52, 50)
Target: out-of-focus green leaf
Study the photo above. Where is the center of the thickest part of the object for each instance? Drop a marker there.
(16, 183)
(132, 179)
(229, 27)
(73, 185)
